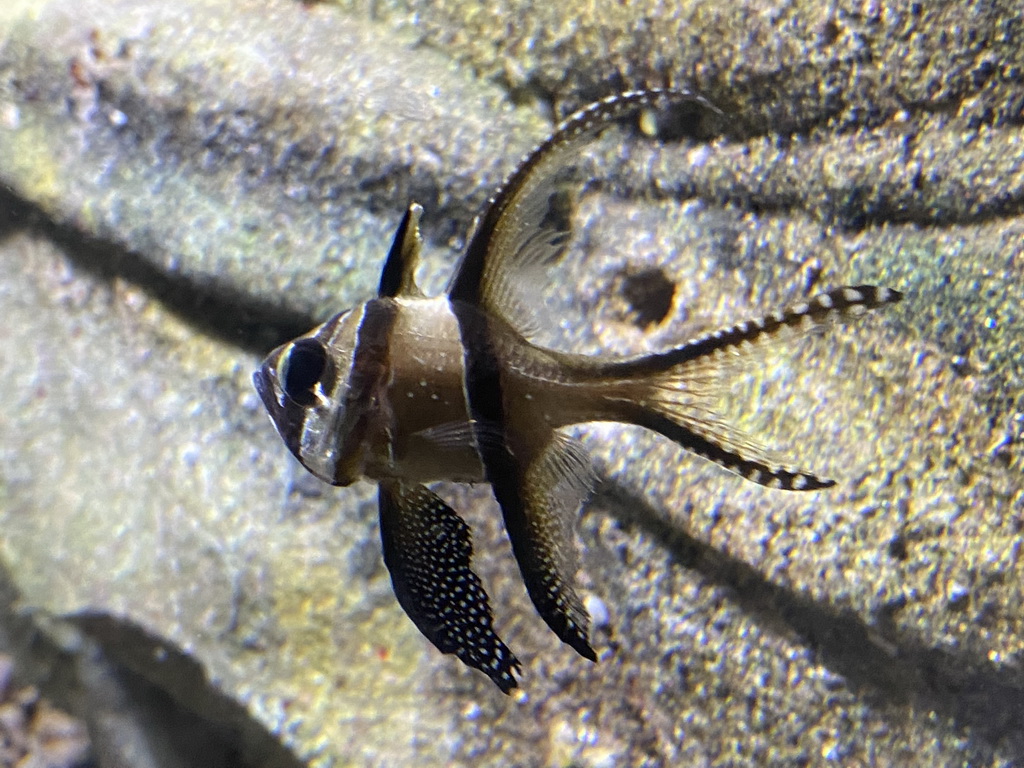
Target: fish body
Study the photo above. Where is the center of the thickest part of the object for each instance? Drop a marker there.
(405, 390)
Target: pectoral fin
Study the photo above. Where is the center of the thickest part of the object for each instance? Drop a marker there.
(427, 549)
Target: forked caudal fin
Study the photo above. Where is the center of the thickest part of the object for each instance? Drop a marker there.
(680, 385)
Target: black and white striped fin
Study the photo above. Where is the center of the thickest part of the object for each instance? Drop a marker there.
(528, 220)
(846, 302)
(849, 301)
(713, 439)
(427, 549)
(680, 386)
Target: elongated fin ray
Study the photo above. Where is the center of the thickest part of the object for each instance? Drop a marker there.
(849, 301)
(731, 449)
(456, 434)
(527, 221)
(398, 278)
(427, 549)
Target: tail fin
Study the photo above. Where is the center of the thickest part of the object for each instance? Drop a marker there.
(680, 386)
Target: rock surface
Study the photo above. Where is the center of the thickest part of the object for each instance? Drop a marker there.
(191, 182)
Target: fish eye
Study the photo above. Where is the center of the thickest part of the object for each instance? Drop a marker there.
(303, 369)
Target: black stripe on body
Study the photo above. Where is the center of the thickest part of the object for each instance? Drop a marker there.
(371, 362)
(289, 418)
(849, 300)
(506, 475)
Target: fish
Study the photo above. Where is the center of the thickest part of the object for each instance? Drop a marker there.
(406, 390)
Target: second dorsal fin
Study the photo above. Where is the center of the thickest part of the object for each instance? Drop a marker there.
(528, 220)
(399, 275)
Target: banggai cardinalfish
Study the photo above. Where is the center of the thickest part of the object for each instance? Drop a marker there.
(404, 389)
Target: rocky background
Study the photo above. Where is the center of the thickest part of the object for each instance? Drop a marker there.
(186, 183)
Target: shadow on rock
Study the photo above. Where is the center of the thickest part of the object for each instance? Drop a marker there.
(897, 672)
(214, 307)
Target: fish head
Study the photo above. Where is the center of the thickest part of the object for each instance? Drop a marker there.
(305, 386)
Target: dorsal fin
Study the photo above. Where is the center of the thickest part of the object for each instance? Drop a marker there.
(529, 217)
(399, 275)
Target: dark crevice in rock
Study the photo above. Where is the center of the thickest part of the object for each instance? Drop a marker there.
(882, 663)
(38, 661)
(213, 306)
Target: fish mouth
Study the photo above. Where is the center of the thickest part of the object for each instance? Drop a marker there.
(261, 381)
(287, 416)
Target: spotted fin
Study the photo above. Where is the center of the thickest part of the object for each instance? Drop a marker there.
(540, 507)
(677, 388)
(398, 278)
(527, 222)
(427, 549)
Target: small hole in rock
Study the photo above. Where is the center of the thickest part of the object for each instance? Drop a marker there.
(898, 548)
(649, 295)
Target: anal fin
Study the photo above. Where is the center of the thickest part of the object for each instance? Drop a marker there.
(539, 515)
